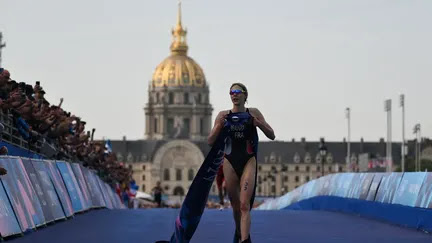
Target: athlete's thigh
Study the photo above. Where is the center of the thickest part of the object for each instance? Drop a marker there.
(247, 181)
(232, 183)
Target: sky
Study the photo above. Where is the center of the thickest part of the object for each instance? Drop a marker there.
(303, 62)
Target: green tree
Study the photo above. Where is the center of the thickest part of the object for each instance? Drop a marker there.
(410, 165)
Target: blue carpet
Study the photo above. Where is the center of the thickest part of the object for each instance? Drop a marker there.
(147, 226)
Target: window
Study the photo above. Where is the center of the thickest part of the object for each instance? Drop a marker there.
(273, 189)
(340, 169)
(143, 177)
(171, 98)
(318, 168)
(285, 178)
(166, 188)
(155, 125)
(143, 167)
(166, 174)
(259, 189)
(170, 125)
(186, 123)
(130, 167)
(259, 168)
(296, 179)
(178, 174)
(330, 168)
(186, 98)
(190, 174)
(307, 169)
(143, 188)
(296, 168)
(307, 178)
(202, 126)
(199, 99)
(157, 98)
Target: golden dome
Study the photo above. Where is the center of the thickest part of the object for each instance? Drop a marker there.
(178, 69)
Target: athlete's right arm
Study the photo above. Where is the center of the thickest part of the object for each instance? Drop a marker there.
(218, 125)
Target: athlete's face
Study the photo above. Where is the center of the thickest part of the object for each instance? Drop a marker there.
(238, 95)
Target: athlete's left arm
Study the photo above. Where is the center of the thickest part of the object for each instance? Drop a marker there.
(260, 122)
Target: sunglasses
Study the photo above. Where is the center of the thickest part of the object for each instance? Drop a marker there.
(236, 91)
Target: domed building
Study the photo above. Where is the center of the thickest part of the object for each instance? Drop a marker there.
(178, 105)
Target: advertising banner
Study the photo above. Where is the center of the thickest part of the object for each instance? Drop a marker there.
(60, 187)
(424, 199)
(388, 186)
(72, 187)
(82, 184)
(8, 222)
(409, 188)
(104, 193)
(95, 193)
(19, 197)
(40, 193)
(48, 189)
(374, 186)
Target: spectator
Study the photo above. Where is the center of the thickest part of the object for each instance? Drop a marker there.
(157, 194)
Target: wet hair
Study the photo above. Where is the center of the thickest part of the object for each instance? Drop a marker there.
(243, 87)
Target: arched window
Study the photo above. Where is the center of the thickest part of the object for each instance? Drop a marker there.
(166, 174)
(191, 174)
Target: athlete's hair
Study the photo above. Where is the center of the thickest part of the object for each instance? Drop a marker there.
(243, 87)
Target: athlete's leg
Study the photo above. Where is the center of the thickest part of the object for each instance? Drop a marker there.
(247, 186)
(219, 183)
(232, 184)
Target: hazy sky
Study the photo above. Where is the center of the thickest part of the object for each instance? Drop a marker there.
(302, 61)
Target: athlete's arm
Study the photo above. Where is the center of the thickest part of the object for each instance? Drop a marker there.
(218, 125)
(260, 122)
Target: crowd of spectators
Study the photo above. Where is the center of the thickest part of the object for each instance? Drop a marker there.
(38, 121)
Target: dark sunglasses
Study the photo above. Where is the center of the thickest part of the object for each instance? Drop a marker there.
(236, 91)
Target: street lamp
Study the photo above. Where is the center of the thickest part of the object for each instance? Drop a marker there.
(323, 152)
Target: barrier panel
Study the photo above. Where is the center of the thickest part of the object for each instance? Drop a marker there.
(19, 198)
(105, 196)
(344, 182)
(409, 188)
(82, 185)
(388, 186)
(35, 191)
(424, 199)
(95, 193)
(374, 186)
(8, 222)
(43, 199)
(60, 188)
(71, 186)
(48, 189)
(325, 189)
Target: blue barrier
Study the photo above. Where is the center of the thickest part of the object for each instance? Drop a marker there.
(60, 188)
(48, 189)
(418, 218)
(424, 198)
(8, 223)
(45, 202)
(409, 188)
(82, 185)
(34, 192)
(72, 187)
(388, 186)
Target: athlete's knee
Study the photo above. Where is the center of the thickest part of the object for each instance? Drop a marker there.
(245, 206)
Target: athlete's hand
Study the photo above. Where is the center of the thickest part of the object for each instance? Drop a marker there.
(256, 122)
(222, 120)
